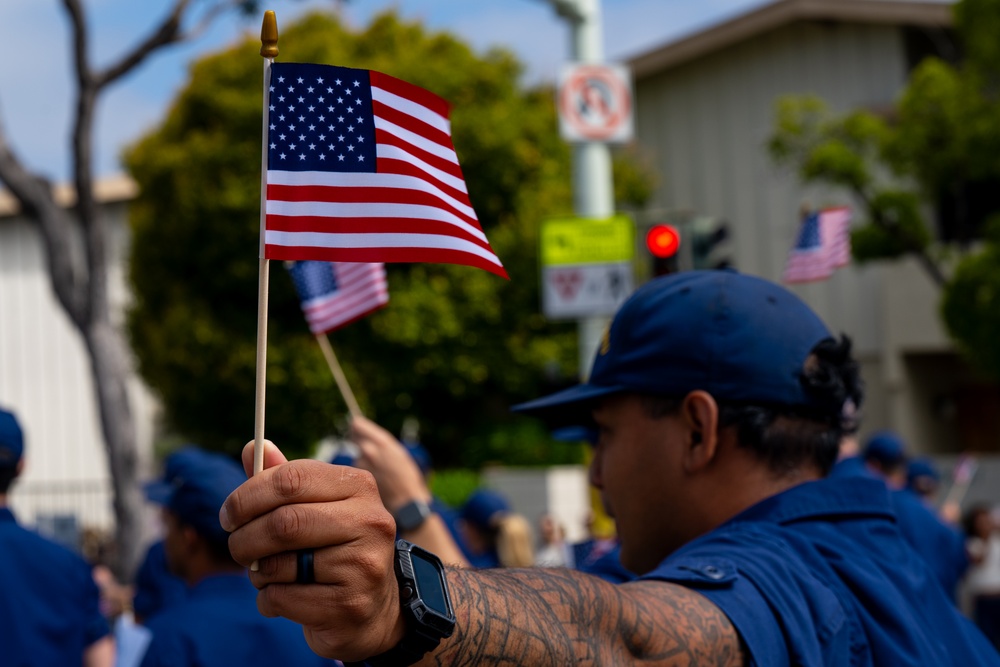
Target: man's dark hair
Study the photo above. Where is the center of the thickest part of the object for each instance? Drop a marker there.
(7, 476)
(787, 438)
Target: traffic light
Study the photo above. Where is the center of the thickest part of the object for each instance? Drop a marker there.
(663, 242)
(711, 246)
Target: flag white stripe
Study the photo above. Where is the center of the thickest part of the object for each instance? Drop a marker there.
(376, 240)
(373, 210)
(351, 180)
(411, 108)
(388, 152)
(417, 141)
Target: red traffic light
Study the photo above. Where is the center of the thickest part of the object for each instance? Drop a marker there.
(663, 240)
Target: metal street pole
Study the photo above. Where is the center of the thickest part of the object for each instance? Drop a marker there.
(593, 195)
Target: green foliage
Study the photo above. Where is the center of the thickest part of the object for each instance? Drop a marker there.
(453, 487)
(635, 179)
(896, 228)
(943, 136)
(970, 308)
(455, 346)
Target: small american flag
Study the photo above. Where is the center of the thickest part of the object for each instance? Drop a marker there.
(823, 245)
(334, 294)
(361, 168)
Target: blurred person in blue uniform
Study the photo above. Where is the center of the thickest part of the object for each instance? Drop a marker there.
(402, 471)
(720, 400)
(50, 606)
(217, 623)
(939, 543)
(494, 534)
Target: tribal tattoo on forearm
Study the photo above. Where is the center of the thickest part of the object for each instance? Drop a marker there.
(554, 617)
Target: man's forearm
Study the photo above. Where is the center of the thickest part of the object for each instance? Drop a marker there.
(562, 617)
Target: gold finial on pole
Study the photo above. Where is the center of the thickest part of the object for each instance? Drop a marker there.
(269, 36)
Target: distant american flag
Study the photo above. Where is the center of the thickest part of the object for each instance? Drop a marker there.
(361, 168)
(823, 245)
(334, 294)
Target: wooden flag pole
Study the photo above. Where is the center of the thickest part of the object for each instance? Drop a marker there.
(268, 51)
(338, 375)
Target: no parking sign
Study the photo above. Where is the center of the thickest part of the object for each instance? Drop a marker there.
(595, 103)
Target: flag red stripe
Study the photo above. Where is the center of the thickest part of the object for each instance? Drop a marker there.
(284, 223)
(408, 90)
(412, 124)
(393, 166)
(360, 195)
(432, 255)
(384, 138)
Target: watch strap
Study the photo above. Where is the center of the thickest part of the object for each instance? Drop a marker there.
(412, 515)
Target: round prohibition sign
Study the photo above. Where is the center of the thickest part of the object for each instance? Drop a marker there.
(595, 102)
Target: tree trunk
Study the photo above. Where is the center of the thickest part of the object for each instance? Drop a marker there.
(108, 362)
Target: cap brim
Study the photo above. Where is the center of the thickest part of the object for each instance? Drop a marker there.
(158, 492)
(569, 407)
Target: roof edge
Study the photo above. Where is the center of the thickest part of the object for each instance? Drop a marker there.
(108, 190)
(784, 12)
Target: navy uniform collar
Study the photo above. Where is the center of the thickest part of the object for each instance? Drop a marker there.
(855, 497)
(222, 583)
(6, 516)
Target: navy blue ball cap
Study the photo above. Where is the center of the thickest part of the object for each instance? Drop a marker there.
(886, 447)
(11, 440)
(194, 486)
(483, 506)
(738, 337)
(921, 467)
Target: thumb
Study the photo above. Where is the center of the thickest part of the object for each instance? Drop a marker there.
(272, 456)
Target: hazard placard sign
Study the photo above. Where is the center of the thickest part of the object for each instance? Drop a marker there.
(595, 103)
(586, 266)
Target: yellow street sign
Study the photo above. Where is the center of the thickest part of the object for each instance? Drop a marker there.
(587, 240)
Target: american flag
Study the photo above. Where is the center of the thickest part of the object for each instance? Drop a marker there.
(823, 245)
(334, 294)
(361, 168)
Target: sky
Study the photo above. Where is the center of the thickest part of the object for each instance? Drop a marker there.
(36, 84)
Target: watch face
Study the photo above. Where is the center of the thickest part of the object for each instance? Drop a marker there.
(430, 584)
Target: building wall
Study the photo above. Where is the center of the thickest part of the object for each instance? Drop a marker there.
(45, 379)
(705, 125)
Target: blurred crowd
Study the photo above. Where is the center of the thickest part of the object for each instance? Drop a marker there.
(190, 603)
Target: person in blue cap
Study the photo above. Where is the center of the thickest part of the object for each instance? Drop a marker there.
(494, 534)
(50, 606)
(720, 400)
(217, 622)
(940, 544)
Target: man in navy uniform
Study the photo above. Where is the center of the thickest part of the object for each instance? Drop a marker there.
(720, 402)
(217, 623)
(49, 607)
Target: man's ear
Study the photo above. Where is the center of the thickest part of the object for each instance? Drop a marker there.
(700, 416)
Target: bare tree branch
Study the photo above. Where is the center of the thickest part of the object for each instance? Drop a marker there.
(169, 31)
(34, 194)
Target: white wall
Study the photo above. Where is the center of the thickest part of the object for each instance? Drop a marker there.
(45, 379)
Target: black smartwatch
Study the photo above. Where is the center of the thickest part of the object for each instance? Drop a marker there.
(426, 606)
(412, 515)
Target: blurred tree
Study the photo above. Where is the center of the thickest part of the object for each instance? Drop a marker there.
(455, 347)
(80, 279)
(939, 150)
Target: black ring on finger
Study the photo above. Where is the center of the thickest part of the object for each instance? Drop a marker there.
(305, 573)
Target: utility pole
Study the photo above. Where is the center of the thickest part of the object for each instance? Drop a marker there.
(593, 195)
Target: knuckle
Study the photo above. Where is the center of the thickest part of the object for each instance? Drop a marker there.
(289, 481)
(286, 522)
